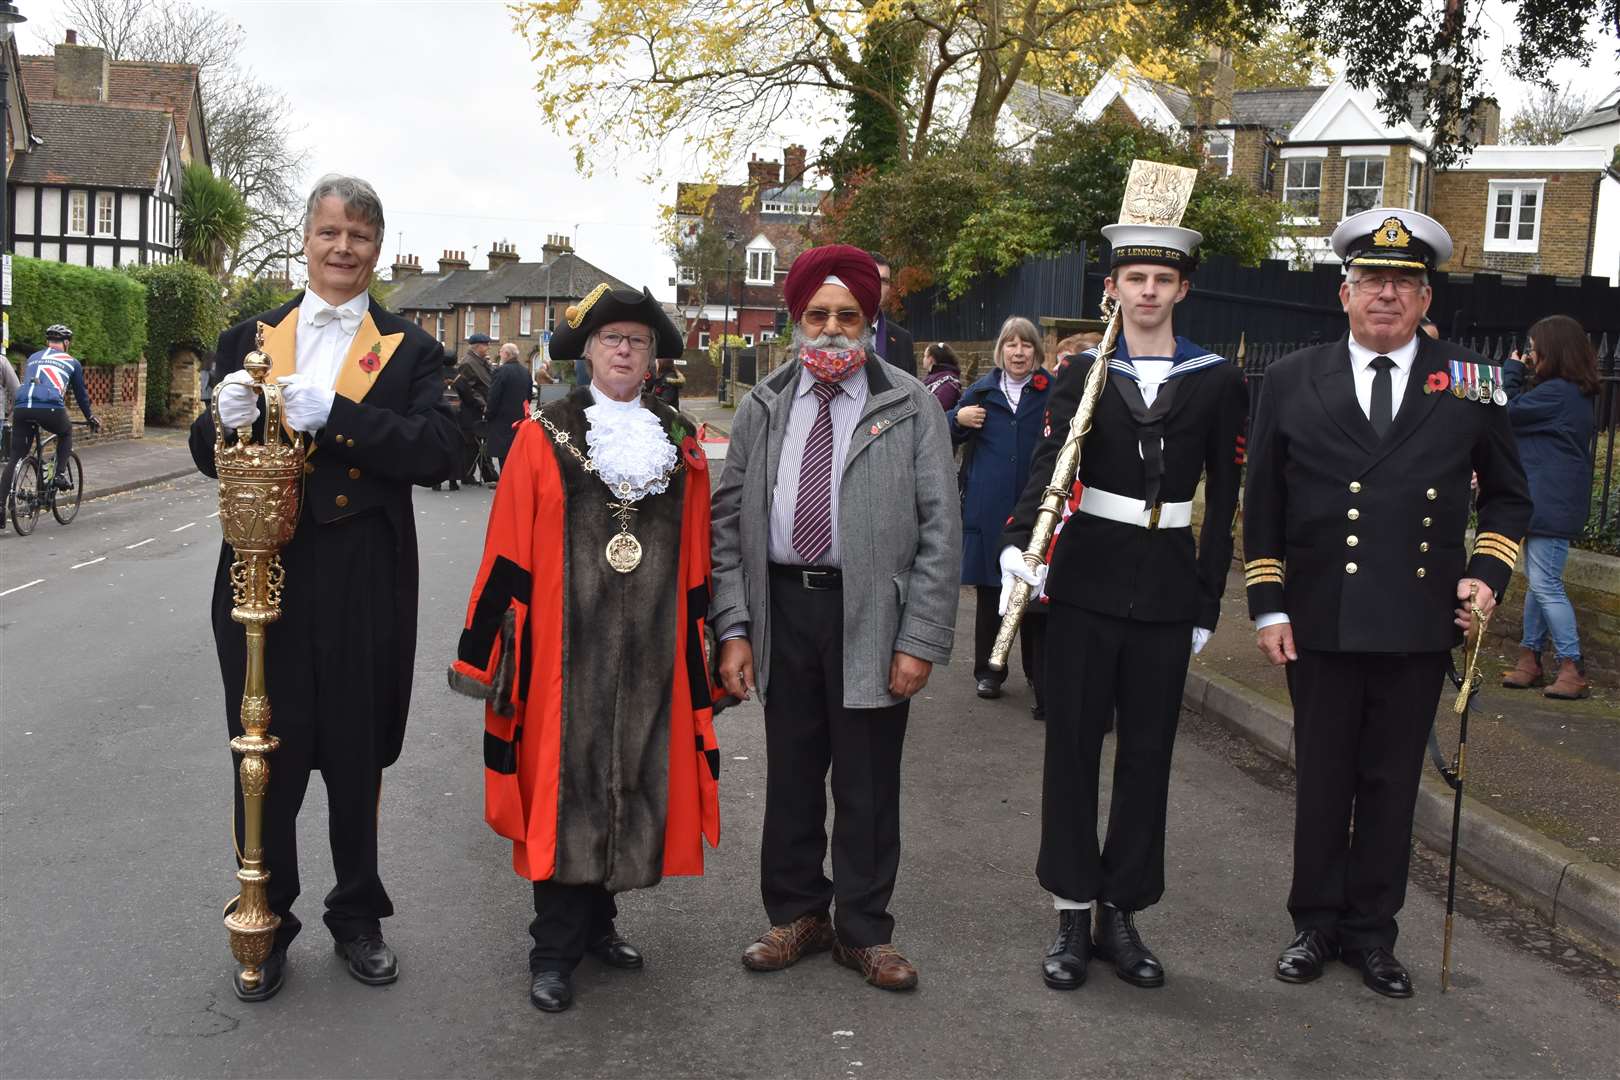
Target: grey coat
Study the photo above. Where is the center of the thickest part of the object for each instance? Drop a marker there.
(899, 528)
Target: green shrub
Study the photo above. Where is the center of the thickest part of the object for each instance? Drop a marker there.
(104, 308)
(185, 311)
(255, 296)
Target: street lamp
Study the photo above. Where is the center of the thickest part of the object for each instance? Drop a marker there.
(9, 17)
(725, 326)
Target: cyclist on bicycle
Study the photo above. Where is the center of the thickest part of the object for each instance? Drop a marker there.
(42, 403)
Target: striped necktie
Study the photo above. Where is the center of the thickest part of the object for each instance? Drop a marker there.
(812, 512)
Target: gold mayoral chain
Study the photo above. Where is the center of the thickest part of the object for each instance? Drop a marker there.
(623, 549)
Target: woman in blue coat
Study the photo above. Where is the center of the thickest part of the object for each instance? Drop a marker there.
(998, 422)
(1552, 419)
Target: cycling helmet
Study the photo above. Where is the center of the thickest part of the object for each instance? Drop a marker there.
(57, 330)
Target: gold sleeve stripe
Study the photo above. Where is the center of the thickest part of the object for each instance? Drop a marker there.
(1264, 577)
(1511, 563)
(1496, 542)
(1254, 564)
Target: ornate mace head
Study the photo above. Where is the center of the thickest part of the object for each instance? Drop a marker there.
(260, 480)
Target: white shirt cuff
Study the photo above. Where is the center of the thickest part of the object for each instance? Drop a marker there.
(1271, 618)
(740, 630)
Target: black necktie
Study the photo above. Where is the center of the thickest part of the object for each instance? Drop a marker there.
(1383, 397)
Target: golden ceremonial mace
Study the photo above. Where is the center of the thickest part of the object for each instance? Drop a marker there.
(260, 487)
(1155, 194)
(1467, 686)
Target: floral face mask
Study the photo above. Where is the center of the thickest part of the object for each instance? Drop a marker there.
(832, 365)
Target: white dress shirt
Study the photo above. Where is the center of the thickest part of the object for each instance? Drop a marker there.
(846, 409)
(1361, 369)
(321, 349)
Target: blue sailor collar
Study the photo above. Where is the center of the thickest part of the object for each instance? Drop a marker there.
(1189, 357)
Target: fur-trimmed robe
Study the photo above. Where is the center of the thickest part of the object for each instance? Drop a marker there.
(600, 760)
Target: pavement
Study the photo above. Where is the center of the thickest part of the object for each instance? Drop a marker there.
(114, 820)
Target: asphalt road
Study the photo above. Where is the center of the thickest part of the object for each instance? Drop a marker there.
(115, 860)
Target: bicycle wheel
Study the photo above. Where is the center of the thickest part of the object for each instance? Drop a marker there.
(65, 504)
(26, 488)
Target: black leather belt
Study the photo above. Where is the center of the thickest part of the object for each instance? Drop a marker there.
(814, 578)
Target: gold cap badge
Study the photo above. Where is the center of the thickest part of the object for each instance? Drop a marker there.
(1392, 234)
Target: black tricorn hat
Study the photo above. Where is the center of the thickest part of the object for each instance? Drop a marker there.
(605, 305)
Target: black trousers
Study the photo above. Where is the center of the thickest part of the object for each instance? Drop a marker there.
(330, 671)
(1031, 637)
(1109, 666)
(808, 729)
(567, 918)
(1361, 723)
(23, 423)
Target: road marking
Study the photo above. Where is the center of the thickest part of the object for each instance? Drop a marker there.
(213, 515)
(90, 562)
(143, 543)
(184, 527)
(20, 588)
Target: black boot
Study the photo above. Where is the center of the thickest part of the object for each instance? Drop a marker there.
(1064, 966)
(1120, 944)
(551, 991)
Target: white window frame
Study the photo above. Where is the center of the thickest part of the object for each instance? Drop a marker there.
(1303, 219)
(495, 323)
(1520, 188)
(773, 207)
(767, 266)
(525, 320)
(108, 202)
(703, 339)
(1226, 159)
(551, 317)
(748, 341)
(1414, 181)
(78, 213)
(438, 328)
(468, 323)
(686, 275)
(1366, 161)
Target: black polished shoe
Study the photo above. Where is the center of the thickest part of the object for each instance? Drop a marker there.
(1064, 966)
(370, 959)
(551, 991)
(271, 974)
(1303, 960)
(1037, 713)
(989, 688)
(615, 952)
(1380, 971)
(1120, 944)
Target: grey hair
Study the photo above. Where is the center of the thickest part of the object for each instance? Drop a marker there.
(1353, 273)
(358, 198)
(866, 340)
(509, 349)
(1019, 327)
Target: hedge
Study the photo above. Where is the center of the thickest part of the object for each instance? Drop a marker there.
(105, 309)
(186, 312)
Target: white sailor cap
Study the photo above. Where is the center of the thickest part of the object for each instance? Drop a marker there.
(1388, 236)
(1167, 245)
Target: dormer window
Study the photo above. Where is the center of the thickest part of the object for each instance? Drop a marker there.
(761, 262)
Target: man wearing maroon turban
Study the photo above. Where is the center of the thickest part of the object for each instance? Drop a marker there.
(837, 539)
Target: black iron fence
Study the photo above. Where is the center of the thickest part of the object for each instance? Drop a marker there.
(1603, 527)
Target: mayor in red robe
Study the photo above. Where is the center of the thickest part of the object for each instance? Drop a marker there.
(584, 637)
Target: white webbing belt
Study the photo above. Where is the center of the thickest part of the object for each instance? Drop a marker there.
(1105, 504)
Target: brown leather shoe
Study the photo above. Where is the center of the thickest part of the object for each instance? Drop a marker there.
(882, 965)
(1526, 673)
(783, 946)
(1570, 685)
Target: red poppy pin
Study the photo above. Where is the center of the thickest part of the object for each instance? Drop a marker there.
(1040, 381)
(1439, 382)
(370, 362)
(695, 458)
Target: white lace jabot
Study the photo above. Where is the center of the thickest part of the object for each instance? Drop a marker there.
(629, 446)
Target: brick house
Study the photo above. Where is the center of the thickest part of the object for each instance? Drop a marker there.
(1328, 151)
(511, 300)
(768, 215)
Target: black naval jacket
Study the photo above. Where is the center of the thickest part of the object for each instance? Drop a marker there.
(366, 458)
(1360, 541)
(1150, 575)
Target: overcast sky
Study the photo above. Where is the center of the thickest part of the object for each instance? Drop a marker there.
(433, 101)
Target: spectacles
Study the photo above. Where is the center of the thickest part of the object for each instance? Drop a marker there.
(1372, 286)
(821, 316)
(639, 343)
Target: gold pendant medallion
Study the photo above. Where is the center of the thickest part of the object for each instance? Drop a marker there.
(624, 552)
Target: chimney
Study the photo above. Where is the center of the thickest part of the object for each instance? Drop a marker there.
(763, 173)
(451, 261)
(502, 253)
(406, 266)
(81, 71)
(1485, 125)
(793, 165)
(556, 244)
(1217, 82)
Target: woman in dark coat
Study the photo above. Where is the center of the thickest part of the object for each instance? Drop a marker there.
(1552, 420)
(998, 423)
(509, 394)
(942, 375)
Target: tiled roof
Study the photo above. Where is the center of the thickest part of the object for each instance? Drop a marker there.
(129, 82)
(1176, 99)
(1040, 107)
(1606, 112)
(406, 292)
(1278, 109)
(565, 277)
(95, 145)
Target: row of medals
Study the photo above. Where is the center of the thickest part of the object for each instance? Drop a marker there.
(1484, 392)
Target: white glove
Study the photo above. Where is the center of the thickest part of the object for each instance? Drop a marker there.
(238, 405)
(305, 403)
(1200, 639)
(1013, 570)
